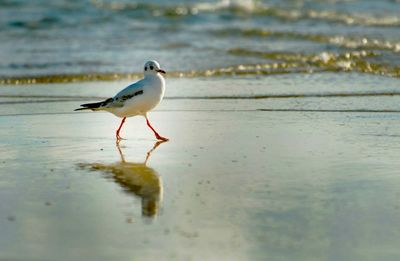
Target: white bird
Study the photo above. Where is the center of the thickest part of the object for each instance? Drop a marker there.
(136, 99)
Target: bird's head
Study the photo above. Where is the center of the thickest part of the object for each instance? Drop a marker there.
(152, 68)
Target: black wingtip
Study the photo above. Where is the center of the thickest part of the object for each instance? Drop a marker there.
(95, 105)
(81, 109)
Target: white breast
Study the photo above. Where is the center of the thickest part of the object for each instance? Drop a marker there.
(153, 92)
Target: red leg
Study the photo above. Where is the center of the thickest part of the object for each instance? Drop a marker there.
(119, 129)
(158, 136)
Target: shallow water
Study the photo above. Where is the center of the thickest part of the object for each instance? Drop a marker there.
(107, 39)
(241, 179)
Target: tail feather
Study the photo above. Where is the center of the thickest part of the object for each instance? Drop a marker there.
(95, 105)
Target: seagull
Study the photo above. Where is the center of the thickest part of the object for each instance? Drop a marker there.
(136, 99)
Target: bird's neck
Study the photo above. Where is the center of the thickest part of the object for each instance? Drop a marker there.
(154, 77)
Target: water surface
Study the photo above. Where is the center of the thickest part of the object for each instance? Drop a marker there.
(283, 119)
(108, 39)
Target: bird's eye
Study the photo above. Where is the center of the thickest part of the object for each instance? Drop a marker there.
(145, 68)
(151, 67)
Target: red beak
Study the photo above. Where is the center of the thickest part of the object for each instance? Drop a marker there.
(161, 71)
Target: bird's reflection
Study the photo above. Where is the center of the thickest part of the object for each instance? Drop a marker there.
(135, 178)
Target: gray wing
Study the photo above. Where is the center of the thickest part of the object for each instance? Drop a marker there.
(133, 90)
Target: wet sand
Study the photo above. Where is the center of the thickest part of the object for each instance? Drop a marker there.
(240, 179)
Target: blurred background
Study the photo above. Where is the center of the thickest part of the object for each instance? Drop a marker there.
(201, 37)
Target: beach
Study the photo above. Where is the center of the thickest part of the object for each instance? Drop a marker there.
(283, 119)
(240, 178)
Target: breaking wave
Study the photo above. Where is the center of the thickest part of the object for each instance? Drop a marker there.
(248, 7)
